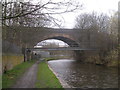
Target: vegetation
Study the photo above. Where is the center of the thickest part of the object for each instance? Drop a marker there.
(9, 78)
(112, 58)
(56, 58)
(46, 78)
(38, 14)
(103, 31)
(50, 58)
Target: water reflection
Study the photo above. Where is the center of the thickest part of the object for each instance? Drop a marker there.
(85, 75)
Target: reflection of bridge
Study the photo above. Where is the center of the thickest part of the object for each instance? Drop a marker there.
(60, 48)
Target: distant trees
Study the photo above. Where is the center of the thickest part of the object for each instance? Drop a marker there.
(92, 21)
(56, 53)
(103, 30)
(52, 44)
(102, 27)
(113, 30)
(49, 44)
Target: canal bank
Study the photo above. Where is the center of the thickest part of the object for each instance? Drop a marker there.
(63, 83)
(46, 78)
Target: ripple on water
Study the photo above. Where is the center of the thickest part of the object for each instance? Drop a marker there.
(85, 75)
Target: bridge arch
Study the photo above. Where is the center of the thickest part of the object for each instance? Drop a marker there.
(65, 38)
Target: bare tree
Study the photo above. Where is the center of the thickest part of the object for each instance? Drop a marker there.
(113, 30)
(103, 30)
(97, 25)
(29, 14)
(15, 8)
(92, 21)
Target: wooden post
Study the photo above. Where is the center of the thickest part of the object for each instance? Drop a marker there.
(25, 55)
(28, 54)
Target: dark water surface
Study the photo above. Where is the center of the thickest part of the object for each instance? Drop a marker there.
(82, 75)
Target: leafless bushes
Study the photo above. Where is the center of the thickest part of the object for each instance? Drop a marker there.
(104, 29)
(104, 32)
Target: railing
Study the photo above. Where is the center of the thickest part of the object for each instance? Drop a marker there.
(61, 48)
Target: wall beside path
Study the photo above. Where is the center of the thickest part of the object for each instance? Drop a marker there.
(11, 60)
(11, 55)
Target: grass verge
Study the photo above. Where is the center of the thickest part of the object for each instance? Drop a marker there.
(46, 78)
(10, 77)
(50, 58)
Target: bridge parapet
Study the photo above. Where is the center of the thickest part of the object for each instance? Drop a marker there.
(33, 35)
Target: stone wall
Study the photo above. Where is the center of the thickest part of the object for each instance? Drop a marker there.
(11, 55)
(11, 60)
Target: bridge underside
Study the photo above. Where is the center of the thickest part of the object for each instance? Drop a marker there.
(70, 42)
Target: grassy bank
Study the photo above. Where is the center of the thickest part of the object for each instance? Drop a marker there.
(55, 58)
(50, 58)
(46, 78)
(9, 78)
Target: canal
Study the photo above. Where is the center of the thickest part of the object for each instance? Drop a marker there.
(84, 75)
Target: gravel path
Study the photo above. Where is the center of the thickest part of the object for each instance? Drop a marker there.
(29, 78)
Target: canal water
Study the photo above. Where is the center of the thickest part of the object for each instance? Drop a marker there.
(82, 75)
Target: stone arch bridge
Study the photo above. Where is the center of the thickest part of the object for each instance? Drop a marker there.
(28, 37)
(33, 35)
